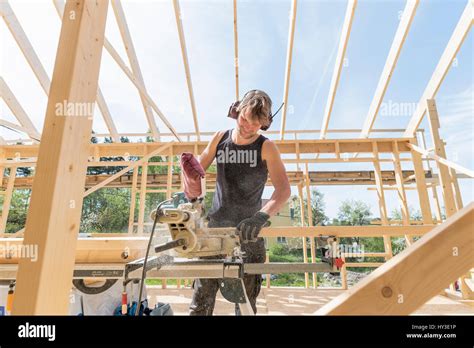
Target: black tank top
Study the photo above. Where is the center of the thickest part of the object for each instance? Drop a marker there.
(241, 178)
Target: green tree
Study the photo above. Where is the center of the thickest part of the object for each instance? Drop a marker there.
(353, 213)
(317, 208)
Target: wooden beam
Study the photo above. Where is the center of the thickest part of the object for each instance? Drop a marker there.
(441, 70)
(103, 249)
(289, 58)
(7, 200)
(17, 110)
(43, 286)
(141, 205)
(182, 41)
(390, 63)
(133, 200)
(434, 191)
(284, 146)
(422, 188)
(236, 52)
(400, 186)
(133, 59)
(310, 223)
(104, 109)
(24, 44)
(169, 175)
(387, 242)
(141, 161)
(305, 246)
(19, 128)
(341, 52)
(439, 150)
(345, 231)
(402, 284)
(442, 160)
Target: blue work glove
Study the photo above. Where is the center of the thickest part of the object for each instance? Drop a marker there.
(248, 229)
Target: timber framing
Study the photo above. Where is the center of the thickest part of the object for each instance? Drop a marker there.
(60, 182)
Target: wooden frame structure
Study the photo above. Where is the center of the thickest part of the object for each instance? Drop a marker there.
(60, 178)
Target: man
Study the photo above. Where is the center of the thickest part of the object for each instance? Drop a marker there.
(244, 159)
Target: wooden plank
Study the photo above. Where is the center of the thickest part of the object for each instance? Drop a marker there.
(310, 223)
(457, 190)
(390, 63)
(434, 191)
(442, 160)
(25, 46)
(141, 206)
(457, 38)
(305, 246)
(387, 242)
(7, 200)
(43, 286)
(236, 52)
(422, 188)
(439, 150)
(88, 250)
(345, 231)
(133, 59)
(169, 179)
(17, 110)
(401, 190)
(187, 70)
(402, 284)
(341, 52)
(285, 147)
(289, 58)
(133, 200)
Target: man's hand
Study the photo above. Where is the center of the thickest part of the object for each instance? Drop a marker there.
(248, 229)
(192, 174)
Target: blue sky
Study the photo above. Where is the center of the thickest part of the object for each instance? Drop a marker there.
(263, 35)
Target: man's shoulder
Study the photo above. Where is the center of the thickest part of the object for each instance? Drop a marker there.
(269, 149)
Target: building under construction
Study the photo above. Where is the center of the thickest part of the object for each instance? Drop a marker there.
(433, 274)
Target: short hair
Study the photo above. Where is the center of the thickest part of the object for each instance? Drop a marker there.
(259, 104)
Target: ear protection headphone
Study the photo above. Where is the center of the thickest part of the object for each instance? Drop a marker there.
(234, 114)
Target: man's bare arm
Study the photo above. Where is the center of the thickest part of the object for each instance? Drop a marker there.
(207, 156)
(277, 172)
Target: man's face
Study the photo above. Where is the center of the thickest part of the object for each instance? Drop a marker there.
(247, 127)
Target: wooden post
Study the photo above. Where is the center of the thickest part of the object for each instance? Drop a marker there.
(387, 241)
(434, 191)
(7, 200)
(457, 191)
(401, 189)
(169, 180)
(310, 223)
(267, 260)
(141, 207)
(305, 247)
(421, 187)
(344, 285)
(445, 178)
(55, 210)
(133, 200)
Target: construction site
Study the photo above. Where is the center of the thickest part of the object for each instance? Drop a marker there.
(61, 260)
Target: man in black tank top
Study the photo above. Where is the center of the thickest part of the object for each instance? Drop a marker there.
(244, 160)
